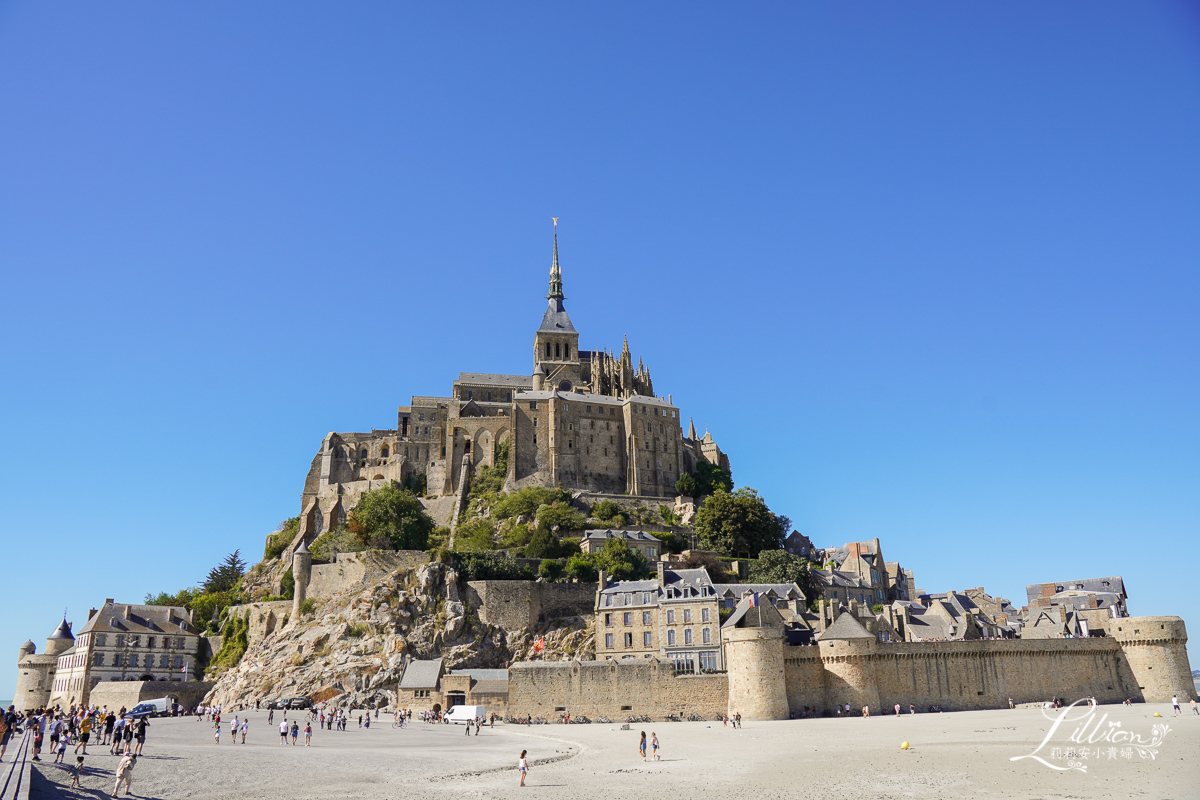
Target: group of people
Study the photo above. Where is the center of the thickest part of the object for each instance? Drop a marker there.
(77, 725)
(731, 719)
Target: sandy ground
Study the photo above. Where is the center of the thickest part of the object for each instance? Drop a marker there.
(956, 755)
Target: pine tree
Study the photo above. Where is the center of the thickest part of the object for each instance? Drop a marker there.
(225, 575)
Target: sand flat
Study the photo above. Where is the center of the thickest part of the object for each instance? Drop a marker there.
(952, 755)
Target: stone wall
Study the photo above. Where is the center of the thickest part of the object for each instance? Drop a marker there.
(360, 570)
(264, 618)
(615, 689)
(527, 604)
(117, 694)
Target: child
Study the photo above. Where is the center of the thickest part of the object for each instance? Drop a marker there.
(307, 734)
(654, 744)
(75, 770)
(60, 751)
(216, 733)
(522, 766)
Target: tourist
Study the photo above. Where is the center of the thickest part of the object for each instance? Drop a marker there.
(85, 733)
(75, 770)
(60, 751)
(307, 733)
(737, 720)
(271, 716)
(468, 726)
(295, 732)
(125, 772)
(1175, 704)
(110, 720)
(38, 724)
(654, 744)
(128, 737)
(897, 709)
(1010, 703)
(866, 712)
(245, 727)
(7, 720)
(912, 709)
(114, 747)
(642, 746)
(283, 731)
(522, 767)
(217, 732)
(139, 735)
(233, 728)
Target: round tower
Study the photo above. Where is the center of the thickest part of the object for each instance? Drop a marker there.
(754, 663)
(539, 378)
(301, 572)
(27, 649)
(1156, 649)
(61, 640)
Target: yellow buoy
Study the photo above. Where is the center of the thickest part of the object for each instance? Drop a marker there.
(904, 746)
(1157, 714)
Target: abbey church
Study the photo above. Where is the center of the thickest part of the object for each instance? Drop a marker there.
(584, 420)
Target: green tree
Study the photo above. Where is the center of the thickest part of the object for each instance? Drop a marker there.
(582, 568)
(475, 534)
(710, 478)
(780, 566)
(620, 562)
(686, 485)
(393, 514)
(287, 585)
(527, 501)
(562, 515)
(278, 541)
(183, 597)
(709, 563)
(225, 575)
(609, 513)
(739, 524)
(490, 565)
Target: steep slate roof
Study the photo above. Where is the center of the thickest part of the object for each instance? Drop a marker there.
(127, 618)
(672, 579)
(745, 613)
(781, 591)
(422, 674)
(487, 379)
(608, 533)
(555, 320)
(845, 627)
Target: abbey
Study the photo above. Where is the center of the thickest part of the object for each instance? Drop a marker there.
(584, 420)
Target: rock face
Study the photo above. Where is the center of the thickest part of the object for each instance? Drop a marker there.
(352, 648)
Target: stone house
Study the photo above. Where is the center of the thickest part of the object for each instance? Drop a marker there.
(427, 686)
(124, 642)
(1087, 593)
(646, 544)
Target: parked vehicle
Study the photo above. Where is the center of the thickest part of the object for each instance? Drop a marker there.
(460, 714)
(296, 703)
(159, 707)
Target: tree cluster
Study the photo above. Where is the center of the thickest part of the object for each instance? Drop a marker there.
(739, 524)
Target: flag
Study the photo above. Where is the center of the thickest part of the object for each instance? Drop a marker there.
(753, 599)
(539, 645)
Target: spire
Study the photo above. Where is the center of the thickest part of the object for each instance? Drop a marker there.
(556, 292)
(691, 429)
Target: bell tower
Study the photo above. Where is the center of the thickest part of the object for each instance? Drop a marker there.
(556, 343)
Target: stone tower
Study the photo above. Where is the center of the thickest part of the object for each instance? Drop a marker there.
(61, 640)
(1156, 649)
(754, 663)
(846, 649)
(35, 673)
(556, 343)
(301, 574)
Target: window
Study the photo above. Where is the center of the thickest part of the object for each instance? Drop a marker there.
(706, 636)
(704, 615)
(646, 639)
(670, 637)
(162, 662)
(629, 640)
(687, 615)
(120, 640)
(608, 640)
(150, 642)
(645, 617)
(629, 599)
(671, 616)
(116, 659)
(179, 641)
(628, 618)
(532, 405)
(133, 661)
(178, 662)
(708, 659)
(98, 661)
(608, 599)
(547, 349)
(385, 452)
(687, 636)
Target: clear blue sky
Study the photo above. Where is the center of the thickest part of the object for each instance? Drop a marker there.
(928, 272)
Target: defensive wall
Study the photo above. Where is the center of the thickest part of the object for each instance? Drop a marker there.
(360, 570)
(1140, 658)
(527, 604)
(615, 689)
(127, 694)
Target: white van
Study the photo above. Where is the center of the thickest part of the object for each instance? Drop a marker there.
(460, 714)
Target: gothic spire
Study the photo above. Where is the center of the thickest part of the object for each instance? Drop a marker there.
(692, 429)
(556, 292)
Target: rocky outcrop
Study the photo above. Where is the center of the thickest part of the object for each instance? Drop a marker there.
(352, 648)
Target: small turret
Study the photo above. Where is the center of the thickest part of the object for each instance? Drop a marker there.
(27, 649)
(539, 378)
(301, 573)
(61, 640)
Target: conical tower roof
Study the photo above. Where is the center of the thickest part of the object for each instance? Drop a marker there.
(63, 631)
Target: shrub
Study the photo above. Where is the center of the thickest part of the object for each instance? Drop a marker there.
(440, 538)
(713, 565)
(307, 606)
(668, 515)
(233, 645)
(551, 569)
(686, 485)
(606, 510)
(581, 568)
(489, 480)
(490, 565)
(526, 501)
(561, 515)
(287, 585)
(338, 540)
(278, 541)
(877, 608)
(356, 630)
(474, 535)
(514, 535)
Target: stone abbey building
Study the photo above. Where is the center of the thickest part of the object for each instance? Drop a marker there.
(585, 420)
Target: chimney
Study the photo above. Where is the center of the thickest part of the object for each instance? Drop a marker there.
(91, 613)
(603, 580)
(661, 574)
(108, 601)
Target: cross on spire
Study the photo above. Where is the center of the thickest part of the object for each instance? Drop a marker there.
(556, 292)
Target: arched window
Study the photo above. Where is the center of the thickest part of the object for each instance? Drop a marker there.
(547, 349)
(363, 454)
(385, 451)
(557, 350)
(567, 350)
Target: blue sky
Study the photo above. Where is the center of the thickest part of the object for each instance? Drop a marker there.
(928, 273)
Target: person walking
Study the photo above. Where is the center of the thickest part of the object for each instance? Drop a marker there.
(295, 732)
(642, 746)
(245, 727)
(217, 732)
(912, 709)
(125, 772)
(522, 767)
(85, 733)
(139, 735)
(897, 710)
(75, 770)
(654, 745)
(283, 729)
(307, 733)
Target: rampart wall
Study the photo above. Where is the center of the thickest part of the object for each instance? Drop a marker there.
(360, 570)
(615, 689)
(127, 694)
(527, 604)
